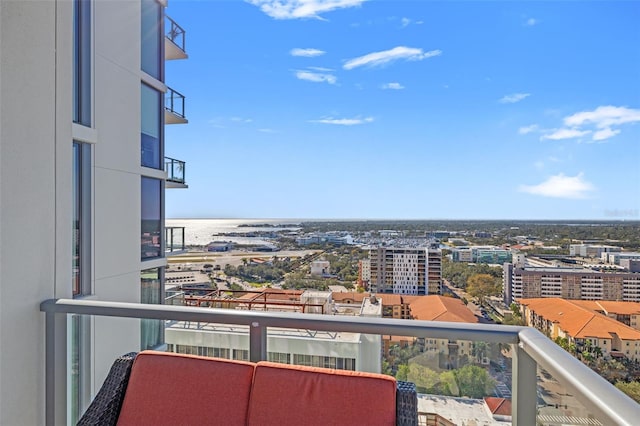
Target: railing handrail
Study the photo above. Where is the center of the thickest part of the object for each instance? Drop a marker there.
(609, 404)
(173, 96)
(173, 160)
(367, 325)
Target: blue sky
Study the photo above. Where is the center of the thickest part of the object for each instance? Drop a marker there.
(408, 109)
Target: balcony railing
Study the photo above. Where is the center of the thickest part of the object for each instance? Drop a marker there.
(530, 350)
(175, 36)
(174, 107)
(174, 238)
(175, 172)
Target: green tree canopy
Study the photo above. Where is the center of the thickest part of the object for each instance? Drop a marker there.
(483, 286)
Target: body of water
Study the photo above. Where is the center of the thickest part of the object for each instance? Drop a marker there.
(203, 231)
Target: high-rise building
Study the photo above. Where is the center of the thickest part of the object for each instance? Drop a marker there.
(83, 104)
(406, 270)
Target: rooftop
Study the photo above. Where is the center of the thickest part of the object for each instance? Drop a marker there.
(579, 321)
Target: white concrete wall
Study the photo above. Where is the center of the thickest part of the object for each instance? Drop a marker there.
(35, 256)
(36, 135)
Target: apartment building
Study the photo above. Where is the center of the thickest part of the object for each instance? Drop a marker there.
(416, 271)
(583, 324)
(83, 103)
(569, 283)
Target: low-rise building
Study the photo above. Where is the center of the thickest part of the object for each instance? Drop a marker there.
(585, 324)
(320, 268)
(348, 351)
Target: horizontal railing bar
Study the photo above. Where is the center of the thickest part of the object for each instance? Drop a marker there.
(613, 406)
(367, 325)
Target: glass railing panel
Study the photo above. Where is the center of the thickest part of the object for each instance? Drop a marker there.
(558, 406)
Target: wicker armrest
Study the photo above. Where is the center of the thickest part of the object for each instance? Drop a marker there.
(105, 407)
(406, 404)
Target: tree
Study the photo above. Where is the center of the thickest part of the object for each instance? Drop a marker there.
(483, 286)
(473, 381)
(632, 389)
(479, 350)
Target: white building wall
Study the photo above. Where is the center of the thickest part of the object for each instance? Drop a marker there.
(35, 224)
(365, 349)
(36, 135)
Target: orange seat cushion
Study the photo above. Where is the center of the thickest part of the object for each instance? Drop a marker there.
(172, 389)
(295, 395)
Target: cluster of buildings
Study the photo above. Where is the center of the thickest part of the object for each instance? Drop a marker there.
(336, 239)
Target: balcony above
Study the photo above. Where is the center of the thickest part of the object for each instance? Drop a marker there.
(174, 41)
(175, 173)
(174, 108)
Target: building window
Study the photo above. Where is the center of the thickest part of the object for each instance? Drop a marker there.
(151, 128)
(152, 38)
(280, 357)
(81, 227)
(151, 331)
(241, 354)
(82, 40)
(151, 203)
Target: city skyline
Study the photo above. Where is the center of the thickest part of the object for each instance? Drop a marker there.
(408, 110)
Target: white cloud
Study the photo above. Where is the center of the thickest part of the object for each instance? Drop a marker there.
(604, 134)
(241, 120)
(386, 56)
(392, 86)
(604, 117)
(559, 134)
(561, 186)
(513, 98)
(307, 53)
(528, 129)
(539, 165)
(322, 69)
(266, 130)
(531, 22)
(316, 77)
(297, 9)
(344, 121)
(405, 22)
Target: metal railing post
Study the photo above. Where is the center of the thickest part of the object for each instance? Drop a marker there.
(55, 369)
(257, 342)
(525, 388)
(50, 371)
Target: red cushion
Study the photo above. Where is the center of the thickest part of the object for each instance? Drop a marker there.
(295, 395)
(173, 389)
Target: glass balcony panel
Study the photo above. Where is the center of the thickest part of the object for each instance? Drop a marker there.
(174, 239)
(174, 46)
(175, 173)
(460, 371)
(174, 112)
(557, 406)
